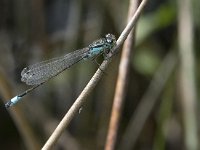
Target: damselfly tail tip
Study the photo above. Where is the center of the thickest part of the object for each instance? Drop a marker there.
(13, 101)
(8, 104)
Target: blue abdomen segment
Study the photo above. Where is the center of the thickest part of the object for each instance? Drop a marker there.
(13, 101)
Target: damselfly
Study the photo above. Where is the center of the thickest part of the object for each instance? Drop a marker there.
(39, 73)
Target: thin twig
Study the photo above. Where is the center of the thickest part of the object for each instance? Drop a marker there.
(92, 83)
(147, 102)
(187, 77)
(130, 25)
(121, 83)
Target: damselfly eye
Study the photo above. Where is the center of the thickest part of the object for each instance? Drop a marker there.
(110, 38)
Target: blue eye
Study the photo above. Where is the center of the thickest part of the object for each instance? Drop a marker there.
(110, 38)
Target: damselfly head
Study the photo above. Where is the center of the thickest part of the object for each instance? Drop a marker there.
(110, 38)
